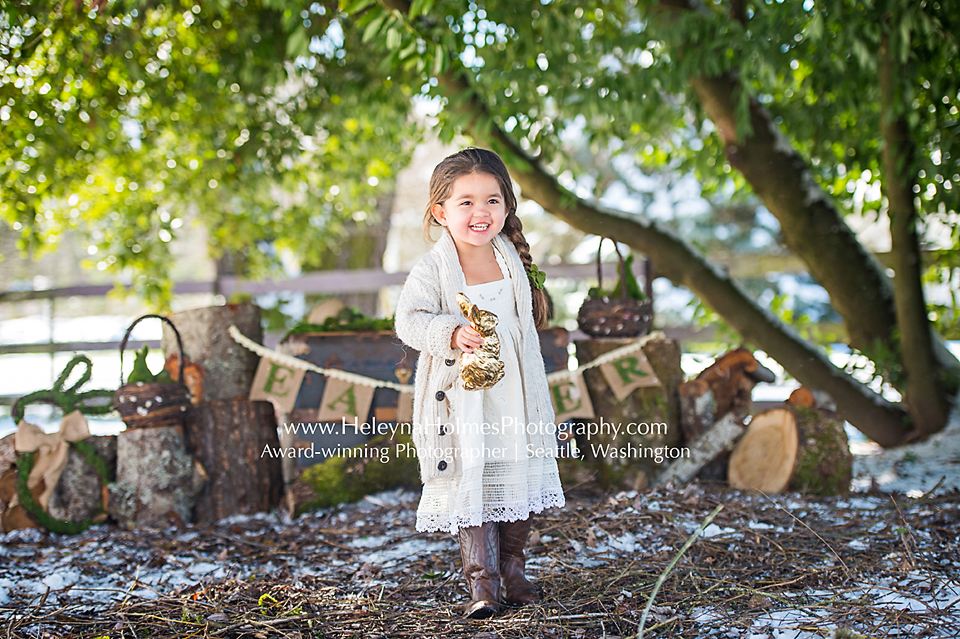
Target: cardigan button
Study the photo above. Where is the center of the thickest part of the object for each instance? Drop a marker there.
(449, 362)
(442, 465)
(440, 396)
(443, 429)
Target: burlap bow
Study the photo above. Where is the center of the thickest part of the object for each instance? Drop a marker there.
(51, 449)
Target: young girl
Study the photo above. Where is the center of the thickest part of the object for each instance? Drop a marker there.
(486, 457)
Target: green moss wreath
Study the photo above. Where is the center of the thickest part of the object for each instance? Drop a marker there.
(68, 400)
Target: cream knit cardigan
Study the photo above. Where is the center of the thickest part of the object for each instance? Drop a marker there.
(427, 315)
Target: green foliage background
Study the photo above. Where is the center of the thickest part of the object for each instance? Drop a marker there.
(277, 123)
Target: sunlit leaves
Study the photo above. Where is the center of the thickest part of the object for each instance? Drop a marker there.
(228, 113)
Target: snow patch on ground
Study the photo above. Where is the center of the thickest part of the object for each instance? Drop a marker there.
(914, 469)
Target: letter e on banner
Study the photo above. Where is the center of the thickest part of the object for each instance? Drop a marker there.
(277, 382)
(571, 399)
(629, 373)
(345, 400)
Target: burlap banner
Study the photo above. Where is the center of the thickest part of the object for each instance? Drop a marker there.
(277, 382)
(628, 374)
(349, 395)
(571, 399)
(345, 400)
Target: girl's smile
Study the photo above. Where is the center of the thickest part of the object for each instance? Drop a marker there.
(475, 212)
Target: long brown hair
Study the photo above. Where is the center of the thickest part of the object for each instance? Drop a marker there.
(474, 160)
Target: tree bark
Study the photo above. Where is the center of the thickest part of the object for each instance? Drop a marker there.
(157, 481)
(79, 493)
(712, 445)
(811, 225)
(698, 408)
(228, 367)
(924, 390)
(228, 438)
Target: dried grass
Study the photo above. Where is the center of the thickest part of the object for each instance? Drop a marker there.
(784, 558)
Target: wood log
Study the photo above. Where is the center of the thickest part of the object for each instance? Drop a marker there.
(78, 495)
(8, 453)
(79, 492)
(656, 407)
(802, 397)
(297, 497)
(228, 368)
(811, 398)
(697, 408)
(712, 445)
(229, 438)
(764, 458)
(793, 447)
(731, 379)
(15, 517)
(157, 480)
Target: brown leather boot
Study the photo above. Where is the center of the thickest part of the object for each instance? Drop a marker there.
(517, 589)
(480, 552)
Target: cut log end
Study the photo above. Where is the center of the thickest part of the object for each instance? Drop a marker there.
(796, 448)
(764, 458)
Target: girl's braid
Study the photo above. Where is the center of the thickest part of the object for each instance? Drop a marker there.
(513, 229)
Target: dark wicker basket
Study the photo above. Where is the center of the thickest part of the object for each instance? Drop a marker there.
(615, 317)
(143, 405)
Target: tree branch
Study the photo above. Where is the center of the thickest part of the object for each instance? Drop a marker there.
(882, 421)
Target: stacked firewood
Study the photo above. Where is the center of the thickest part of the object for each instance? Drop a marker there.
(801, 445)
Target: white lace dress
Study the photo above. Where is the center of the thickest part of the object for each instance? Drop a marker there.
(499, 481)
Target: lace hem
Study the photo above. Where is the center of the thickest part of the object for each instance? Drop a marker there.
(442, 522)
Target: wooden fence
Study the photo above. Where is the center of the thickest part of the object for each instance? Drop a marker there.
(323, 282)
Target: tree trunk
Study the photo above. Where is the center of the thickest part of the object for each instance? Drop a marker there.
(157, 481)
(363, 246)
(228, 438)
(654, 411)
(810, 223)
(228, 367)
(924, 389)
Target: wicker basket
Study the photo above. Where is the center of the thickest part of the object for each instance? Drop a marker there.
(615, 317)
(143, 405)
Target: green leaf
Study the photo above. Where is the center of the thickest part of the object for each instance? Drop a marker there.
(373, 28)
(393, 38)
(299, 43)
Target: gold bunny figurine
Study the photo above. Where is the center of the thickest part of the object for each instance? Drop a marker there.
(482, 368)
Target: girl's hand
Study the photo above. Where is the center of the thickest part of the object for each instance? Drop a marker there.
(466, 338)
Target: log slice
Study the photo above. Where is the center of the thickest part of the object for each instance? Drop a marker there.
(764, 458)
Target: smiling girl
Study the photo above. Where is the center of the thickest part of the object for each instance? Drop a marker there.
(483, 454)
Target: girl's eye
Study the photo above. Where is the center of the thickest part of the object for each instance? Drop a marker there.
(494, 201)
(465, 203)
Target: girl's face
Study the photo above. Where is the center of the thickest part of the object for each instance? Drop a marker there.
(474, 212)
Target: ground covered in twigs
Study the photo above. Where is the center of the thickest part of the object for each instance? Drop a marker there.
(784, 567)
